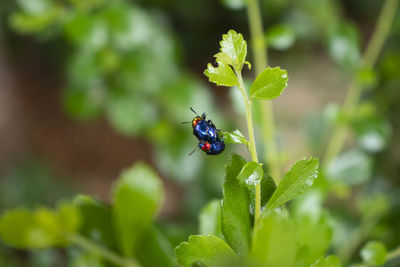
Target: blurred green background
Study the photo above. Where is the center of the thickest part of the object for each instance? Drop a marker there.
(89, 87)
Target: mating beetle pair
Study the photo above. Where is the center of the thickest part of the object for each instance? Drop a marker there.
(208, 135)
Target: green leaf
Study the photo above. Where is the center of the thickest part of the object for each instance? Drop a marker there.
(41, 228)
(210, 219)
(280, 37)
(208, 250)
(130, 114)
(235, 47)
(234, 4)
(373, 133)
(297, 180)
(137, 197)
(313, 237)
(329, 261)
(34, 24)
(86, 31)
(274, 241)
(236, 221)
(68, 216)
(85, 259)
(344, 45)
(36, 17)
(269, 84)
(374, 253)
(251, 174)
(221, 75)
(223, 58)
(96, 220)
(235, 137)
(352, 167)
(14, 227)
(267, 189)
(155, 249)
(35, 6)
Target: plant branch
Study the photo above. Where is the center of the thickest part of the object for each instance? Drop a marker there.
(259, 47)
(393, 254)
(355, 90)
(100, 251)
(381, 32)
(258, 43)
(356, 238)
(252, 142)
(249, 117)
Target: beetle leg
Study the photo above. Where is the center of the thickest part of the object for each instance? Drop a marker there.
(194, 150)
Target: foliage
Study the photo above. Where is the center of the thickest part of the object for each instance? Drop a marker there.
(277, 240)
(221, 75)
(374, 253)
(122, 64)
(122, 56)
(138, 185)
(235, 137)
(298, 179)
(269, 84)
(126, 227)
(40, 228)
(208, 250)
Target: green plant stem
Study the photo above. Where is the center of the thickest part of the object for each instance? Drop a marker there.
(393, 254)
(257, 35)
(259, 47)
(102, 252)
(252, 142)
(355, 90)
(356, 238)
(381, 32)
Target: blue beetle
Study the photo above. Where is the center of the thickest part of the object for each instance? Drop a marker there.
(212, 147)
(202, 129)
(208, 135)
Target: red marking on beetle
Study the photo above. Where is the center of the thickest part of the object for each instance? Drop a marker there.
(206, 146)
(195, 121)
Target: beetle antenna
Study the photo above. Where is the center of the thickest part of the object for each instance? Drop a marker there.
(194, 112)
(186, 122)
(194, 150)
